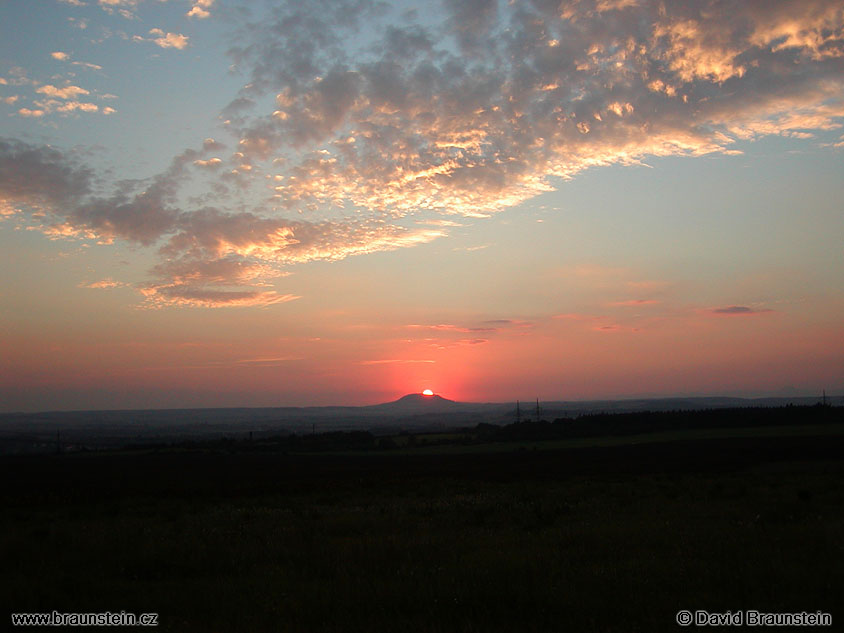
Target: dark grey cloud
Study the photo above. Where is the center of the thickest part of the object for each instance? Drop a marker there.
(41, 175)
(63, 192)
(739, 310)
(473, 22)
(298, 41)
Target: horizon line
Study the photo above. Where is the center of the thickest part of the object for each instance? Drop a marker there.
(502, 402)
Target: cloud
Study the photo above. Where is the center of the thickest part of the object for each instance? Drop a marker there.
(87, 65)
(211, 233)
(68, 92)
(446, 335)
(635, 303)
(26, 112)
(507, 323)
(577, 316)
(200, 9)
(164, 40)
(44, 179)
(40, 176)
(739, 310)
(103, 284)
(68, 106)
(471, 133)
(211, 163)
(448, 327)
(187, 296)
(396, 361)
(62, 100)
(359, 131)
(60, 56)
(472, 22)
(208, 257)
(198, 12)
(607, 328)
(172, 40)
(268, 362)
(122, 7)
(226, 271)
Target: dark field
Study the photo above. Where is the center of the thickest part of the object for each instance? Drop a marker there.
(535, 538)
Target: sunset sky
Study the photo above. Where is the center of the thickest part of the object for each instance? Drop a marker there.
(210, 203)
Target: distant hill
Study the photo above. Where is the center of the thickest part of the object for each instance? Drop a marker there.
(417, 404)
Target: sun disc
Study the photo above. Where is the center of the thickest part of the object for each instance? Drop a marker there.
(427, 392)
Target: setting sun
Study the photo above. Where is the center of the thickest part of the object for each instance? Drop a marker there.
(427, 392)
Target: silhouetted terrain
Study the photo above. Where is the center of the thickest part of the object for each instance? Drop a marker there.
(75, 430)
(525, 527)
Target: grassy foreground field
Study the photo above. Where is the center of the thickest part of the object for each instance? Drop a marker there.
(585, 538)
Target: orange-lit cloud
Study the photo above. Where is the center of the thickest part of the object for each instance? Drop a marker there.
(403, 136)
(200, 9)
(164, 40)
(27, 112)
(210, 258)
(384, 147)
(103, 284)
(211, 163)
(68, 92)
(187, 296)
